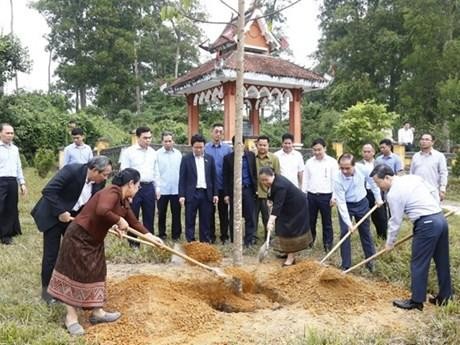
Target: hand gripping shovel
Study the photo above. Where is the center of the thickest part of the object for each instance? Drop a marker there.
(376, 255)
(349, 233)
(233, 282)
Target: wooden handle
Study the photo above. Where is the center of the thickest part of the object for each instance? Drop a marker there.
(169, 249)
(349, 232)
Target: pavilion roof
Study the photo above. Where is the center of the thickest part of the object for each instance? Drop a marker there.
(260, 68)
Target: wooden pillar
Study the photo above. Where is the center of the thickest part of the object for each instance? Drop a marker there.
(229, 109)
(193, 112)
(254, 117)
(295, 115)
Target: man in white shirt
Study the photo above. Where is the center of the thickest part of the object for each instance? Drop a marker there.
(78, 152)
(291, 161)
(406, 136)
(143, 158)
(10, 177)
(379, 216)
(431, 165)
(412, 196)
(318, 178)
(169, 159)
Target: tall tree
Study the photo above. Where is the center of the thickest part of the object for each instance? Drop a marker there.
(13, 59)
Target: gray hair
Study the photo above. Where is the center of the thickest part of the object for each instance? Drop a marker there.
(99, 163)
(4, 124)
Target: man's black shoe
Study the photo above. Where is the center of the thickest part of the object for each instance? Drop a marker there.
(436, 300)
(47, 298)
(408, 304)
(7, 240)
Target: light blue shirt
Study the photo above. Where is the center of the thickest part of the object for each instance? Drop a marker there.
(77, 154)
(392, 160)
(218, 152)
(10, 162)
(169, 165)
(409, 195)
(353, 189)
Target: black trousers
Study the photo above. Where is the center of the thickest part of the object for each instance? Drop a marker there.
(222, 208)
(51, 244)
(379, 216)
(9, 215)
(247, 196)
(176, 226)
(262, 207)
(320, 202)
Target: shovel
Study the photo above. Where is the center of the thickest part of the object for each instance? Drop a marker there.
(233, 282)
(263, 251)
(401, 241)
(349, 233)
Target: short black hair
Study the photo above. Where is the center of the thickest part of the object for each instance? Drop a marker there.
(431, 135)
(317, 141)
(124, 176)
(347, 156)
(140, 130)
(217, 124)
(77, 131)
(287, 136)
(266, 171)
(382, 170)
(387, 142)
(165, 134)
(263, 137)
(197, 138)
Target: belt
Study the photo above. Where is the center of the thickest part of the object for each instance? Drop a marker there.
(146, 183)
(319, 193)
(426, 216)
(201, 189)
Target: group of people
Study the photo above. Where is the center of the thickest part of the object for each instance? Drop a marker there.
(76, 211)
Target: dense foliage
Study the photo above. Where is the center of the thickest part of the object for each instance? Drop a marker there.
(13, 58)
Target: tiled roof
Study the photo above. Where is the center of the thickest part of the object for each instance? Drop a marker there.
(255, 63)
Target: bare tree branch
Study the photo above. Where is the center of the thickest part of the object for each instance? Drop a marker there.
(231, 23)
(230, 7)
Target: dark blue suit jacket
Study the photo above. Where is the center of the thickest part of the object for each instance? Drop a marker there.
(60, 195)
(188, 177)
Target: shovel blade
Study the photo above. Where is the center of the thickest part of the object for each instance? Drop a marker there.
(263, 252)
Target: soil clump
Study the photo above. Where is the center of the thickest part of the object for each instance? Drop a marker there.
(202, 252)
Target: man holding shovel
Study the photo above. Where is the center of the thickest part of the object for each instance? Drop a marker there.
(350, 192)
(412, 196)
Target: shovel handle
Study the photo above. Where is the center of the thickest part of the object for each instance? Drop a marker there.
(169, 249)
(401, 241)
(349, 232)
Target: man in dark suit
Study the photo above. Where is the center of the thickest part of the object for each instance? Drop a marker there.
(248, 192)
(62, 198)
(197, 189)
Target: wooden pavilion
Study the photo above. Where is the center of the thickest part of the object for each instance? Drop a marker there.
(266, 78)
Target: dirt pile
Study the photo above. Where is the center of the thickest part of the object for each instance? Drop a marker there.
(202, 252)
(325, 289)
(247, 279)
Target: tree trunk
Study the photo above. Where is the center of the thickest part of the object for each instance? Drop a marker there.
(177, 57)
(82, 97)
(239, 145)
(12, 32)
(136, 74)
(50, 58)
(77, 100)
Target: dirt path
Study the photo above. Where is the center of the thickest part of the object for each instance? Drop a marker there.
(178, 304)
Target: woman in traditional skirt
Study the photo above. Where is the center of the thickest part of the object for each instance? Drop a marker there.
(289, 215)
(79, 276)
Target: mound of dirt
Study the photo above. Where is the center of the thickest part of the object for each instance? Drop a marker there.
(202, 252)
(325, 289)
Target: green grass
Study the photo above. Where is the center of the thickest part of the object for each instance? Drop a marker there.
(453, 189)
(25, 320)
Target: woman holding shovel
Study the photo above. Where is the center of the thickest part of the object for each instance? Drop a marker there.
(289, 215)
(79, 276)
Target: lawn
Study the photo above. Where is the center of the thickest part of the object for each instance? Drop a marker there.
(24, 319)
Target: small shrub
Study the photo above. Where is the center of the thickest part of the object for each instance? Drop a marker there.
(44, 161)
(456, 166)
(24, 162)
